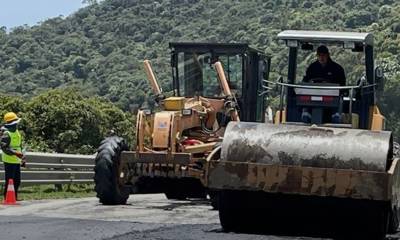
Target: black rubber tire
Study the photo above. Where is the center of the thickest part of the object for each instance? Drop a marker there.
(246, 211)
(226, 211)
(231, 211)
(107, 160)
(380, 228)
(374, 226)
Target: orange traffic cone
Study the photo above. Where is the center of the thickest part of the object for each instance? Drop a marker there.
(10, 195)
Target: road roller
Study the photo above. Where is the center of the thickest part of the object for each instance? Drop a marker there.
(324, 164)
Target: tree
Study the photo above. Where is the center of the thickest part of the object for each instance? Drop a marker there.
(66, 121)
(99, 49)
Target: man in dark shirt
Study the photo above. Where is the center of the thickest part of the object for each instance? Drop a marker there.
(324, 69)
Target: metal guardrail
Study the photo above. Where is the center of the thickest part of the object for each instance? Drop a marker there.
(55, 168)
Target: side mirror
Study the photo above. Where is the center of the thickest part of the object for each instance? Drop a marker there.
(379, 78)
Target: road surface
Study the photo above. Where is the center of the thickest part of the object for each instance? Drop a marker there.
(149, 216)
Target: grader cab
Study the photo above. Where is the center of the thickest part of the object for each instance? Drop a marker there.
(213, 84)
(338, 174)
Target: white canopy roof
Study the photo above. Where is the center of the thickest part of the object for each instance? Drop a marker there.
(326, 36)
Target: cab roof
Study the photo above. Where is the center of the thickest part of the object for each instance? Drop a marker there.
(327, 37)
(232, 48)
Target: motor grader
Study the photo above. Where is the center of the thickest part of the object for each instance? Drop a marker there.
(212, 84)
(335, 176)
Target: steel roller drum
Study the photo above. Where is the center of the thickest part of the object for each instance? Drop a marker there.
(310, 146)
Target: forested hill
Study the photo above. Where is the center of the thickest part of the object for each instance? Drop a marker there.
(100, 48)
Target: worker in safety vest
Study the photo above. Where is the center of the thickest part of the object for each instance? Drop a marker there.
(11, 145)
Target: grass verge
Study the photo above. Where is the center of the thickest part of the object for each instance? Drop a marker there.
(52, 191)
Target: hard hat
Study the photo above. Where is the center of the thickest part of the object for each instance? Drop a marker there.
(11, 117)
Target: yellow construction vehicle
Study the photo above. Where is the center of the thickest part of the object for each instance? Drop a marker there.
(340, 176)
(174, 146)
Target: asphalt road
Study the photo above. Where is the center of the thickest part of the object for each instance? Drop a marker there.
(144, 217)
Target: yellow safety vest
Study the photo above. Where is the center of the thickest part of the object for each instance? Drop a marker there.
(15, 144)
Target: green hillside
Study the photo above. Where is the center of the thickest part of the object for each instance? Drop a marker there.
(100, 48)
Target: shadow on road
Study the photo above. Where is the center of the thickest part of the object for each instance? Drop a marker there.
(281, 231)
(177, 204)
(303, 233)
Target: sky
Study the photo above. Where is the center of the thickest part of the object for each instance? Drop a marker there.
(15, 13)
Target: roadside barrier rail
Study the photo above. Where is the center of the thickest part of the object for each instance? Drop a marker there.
(55, 168)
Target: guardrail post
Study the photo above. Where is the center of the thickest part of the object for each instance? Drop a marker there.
(59, 186)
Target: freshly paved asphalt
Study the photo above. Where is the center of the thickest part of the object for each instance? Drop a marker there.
(149, 216)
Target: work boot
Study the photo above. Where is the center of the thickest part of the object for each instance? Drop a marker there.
(336, 118)
(306, 117)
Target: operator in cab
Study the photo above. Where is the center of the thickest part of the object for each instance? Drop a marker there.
(324, 69)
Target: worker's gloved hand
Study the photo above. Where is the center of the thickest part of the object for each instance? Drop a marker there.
(23, 163)
(19, 155)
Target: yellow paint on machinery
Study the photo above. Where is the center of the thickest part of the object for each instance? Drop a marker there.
(377, 119)
(174, 103)
(162, 130)
(151, 77)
